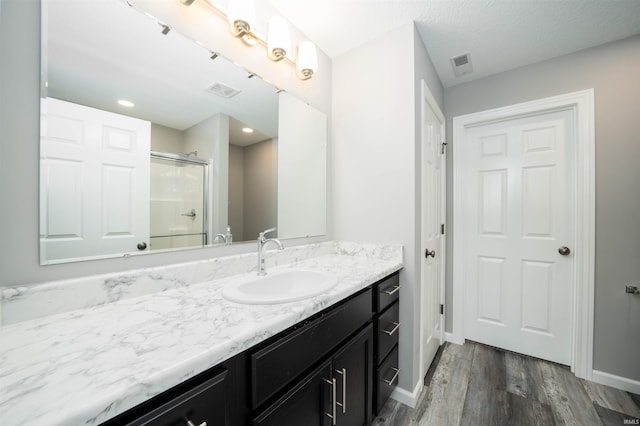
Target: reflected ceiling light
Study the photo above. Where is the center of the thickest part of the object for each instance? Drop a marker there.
(278, 41)
(247, 129)
(126, 103)
(241, 16)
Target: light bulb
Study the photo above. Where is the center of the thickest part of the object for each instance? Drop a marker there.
(242, 16)
(278, 41)
(307, 62)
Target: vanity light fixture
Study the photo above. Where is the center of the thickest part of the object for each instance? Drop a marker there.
(278, 41)
(241, 16)
(307, 63)
(125, 103)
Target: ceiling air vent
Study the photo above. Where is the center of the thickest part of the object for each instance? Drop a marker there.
(222, 90)
(461, 64)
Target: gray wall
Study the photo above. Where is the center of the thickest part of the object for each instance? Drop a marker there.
(613, 70)
(236, 192)
(260, 188)
(19, 142)
(376, 174)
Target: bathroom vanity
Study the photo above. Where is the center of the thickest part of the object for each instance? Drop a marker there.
(187, 355)
(321, 371)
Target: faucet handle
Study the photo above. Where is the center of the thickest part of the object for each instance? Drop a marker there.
(266, 231)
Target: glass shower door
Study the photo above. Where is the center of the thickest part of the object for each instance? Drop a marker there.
(178, 202)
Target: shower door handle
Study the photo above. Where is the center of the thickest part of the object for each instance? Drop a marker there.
(191, 214)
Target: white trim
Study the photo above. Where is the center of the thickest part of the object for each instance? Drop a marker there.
(582, 103)
(427, 97)
(408, 398)
(617, 382)
(449, 337)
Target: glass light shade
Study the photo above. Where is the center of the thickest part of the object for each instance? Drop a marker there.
(278, 40)
(307, 62)
(241, 12)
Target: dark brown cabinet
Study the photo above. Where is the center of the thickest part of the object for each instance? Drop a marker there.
(336, 368)
(338, 392)
(211, 397)
(386, 305)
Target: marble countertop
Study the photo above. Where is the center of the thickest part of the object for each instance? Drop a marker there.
(88, 365)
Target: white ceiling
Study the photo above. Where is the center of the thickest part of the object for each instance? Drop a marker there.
(499, 34)
(96, 52)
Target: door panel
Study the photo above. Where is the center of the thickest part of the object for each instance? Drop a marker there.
(519, 192)
(82, 149)
(432, 239)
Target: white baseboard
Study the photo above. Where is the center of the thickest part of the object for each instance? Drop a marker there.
(449, 337)
(617, 382)
(407, 398)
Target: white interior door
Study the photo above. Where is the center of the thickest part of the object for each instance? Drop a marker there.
(94, 182)
(518, 200)
(433, 203)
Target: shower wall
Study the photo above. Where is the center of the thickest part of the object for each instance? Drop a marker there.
(177, 204)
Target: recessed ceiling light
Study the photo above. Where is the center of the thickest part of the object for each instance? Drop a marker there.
(247, 129)
(125, 103)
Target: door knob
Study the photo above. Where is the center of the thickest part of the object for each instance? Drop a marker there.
(564, 250)
(428, 253)
(141, 246)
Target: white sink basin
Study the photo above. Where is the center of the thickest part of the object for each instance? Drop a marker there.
(279, 286)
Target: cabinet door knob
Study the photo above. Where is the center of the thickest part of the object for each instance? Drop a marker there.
(395, 290)
(395, 376)
(343, 404)
(393, 330)
(333, 415)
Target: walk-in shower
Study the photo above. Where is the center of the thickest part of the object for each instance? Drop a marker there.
(179, 200)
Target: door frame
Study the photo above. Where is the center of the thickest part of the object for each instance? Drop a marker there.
(427, 100)
(581, 103)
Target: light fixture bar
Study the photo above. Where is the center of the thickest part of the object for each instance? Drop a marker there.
(241, 18)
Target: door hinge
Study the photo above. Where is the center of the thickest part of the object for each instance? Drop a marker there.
(442, 229)
(443, 148)
(441, 309)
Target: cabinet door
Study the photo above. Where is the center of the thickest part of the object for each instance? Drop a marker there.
(309, 403)
(353, 371)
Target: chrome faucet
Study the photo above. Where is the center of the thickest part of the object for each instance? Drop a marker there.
(221, 236)
(262, 243)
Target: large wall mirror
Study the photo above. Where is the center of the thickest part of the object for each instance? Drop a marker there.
(149, 142)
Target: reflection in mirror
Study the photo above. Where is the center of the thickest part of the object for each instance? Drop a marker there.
(149, 143)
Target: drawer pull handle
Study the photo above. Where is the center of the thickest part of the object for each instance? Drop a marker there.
(190, 423)
(333, 415)
(393, 379)
(395, 290)
(343, 404)
(393, 330)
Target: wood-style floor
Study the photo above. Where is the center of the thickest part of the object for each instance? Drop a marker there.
(474, 384)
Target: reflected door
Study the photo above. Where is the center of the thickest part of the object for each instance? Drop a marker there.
(177, 203)
(94, 182)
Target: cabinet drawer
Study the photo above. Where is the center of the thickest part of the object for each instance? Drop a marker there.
(279, 363)
(387, 378)
(387, 292)
(388, 328)
(206, 402)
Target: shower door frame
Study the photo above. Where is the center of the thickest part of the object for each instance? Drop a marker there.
(200, 162)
